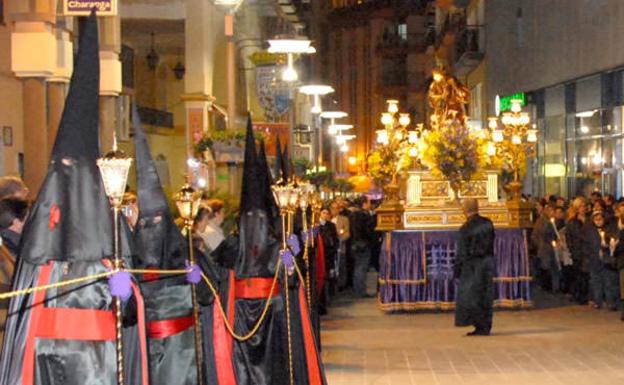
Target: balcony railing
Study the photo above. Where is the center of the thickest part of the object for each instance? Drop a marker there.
(154, 117)
(469, 49)
(376, 4)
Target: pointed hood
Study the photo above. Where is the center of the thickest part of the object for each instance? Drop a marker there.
(251, 197)
(277, 169)
(71, 217)
(257, 252)
(159, 242)
(285, 165)
(263, 165)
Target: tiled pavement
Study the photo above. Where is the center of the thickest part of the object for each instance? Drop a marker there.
(558, 345)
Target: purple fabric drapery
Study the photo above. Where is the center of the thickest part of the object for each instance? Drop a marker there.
(416, 270)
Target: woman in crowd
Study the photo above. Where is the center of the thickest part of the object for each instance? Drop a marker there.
(212, 235)
(199, 227)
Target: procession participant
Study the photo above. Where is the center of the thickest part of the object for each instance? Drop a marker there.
(264, 358)
(329, 234)
(67, 335)
(363, 232)
(344, 233)
(474, 267)
(161, 245)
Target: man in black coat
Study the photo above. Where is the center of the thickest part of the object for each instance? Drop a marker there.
(363, 234)
(474, 266)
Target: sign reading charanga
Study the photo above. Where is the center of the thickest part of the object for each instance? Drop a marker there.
(84, 7)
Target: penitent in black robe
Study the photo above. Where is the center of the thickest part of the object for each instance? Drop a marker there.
(168, 305)
(67, 335)
(249, 261)
(474, 265)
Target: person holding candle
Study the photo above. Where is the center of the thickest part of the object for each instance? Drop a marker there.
(600, 247)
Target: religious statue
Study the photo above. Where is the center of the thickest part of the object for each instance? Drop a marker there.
(448, 98)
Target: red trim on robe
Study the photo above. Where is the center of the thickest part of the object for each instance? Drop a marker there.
(57, 323)
(75, 324)
(255, 288)
(314, 370)
(142, 333)
(169, 327)
(320, 265)
(28, 366)
(222, 340)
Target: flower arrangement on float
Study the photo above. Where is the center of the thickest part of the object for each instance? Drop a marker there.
(455, 152)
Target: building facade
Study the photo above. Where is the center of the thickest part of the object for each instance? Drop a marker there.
(565, 58)
(371, 51)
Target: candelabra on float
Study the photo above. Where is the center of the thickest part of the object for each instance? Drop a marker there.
(514, 143)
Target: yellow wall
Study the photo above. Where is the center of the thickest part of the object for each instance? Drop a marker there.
(10, 105)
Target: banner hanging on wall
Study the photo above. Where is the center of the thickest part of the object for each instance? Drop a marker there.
(84, 7)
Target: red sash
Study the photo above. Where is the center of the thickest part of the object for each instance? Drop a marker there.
(73, 324)
(320, 266)
(169, 327)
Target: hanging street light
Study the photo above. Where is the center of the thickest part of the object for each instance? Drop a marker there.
(333, 130)
(316, 91)
(290, 46)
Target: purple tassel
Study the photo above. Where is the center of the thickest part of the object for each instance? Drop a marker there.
(194, 274)
(288, 260)
(293, 244)
(120, 285)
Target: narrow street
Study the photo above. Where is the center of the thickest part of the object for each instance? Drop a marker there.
(557, 345)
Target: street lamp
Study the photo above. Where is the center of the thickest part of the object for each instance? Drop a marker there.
(187, 200)
(513, 143)
(114, 167)
(316, 91)
(290, 46)
(331, 130)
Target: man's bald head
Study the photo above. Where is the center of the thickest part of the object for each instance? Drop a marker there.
(470, 206)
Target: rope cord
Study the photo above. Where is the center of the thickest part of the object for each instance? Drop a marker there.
(226, 321)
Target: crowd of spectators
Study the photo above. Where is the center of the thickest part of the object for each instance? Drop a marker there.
(577, 249)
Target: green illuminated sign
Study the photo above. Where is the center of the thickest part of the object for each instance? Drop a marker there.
(503, 103)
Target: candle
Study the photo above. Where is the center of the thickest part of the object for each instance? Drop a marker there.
(602, 235)
(554, 243)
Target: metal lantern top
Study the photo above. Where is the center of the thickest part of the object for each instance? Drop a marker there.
(187, 200)
(114, 167)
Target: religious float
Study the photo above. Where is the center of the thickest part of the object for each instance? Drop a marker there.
(425, 173)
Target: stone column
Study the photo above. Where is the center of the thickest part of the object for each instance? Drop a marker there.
(35, 135)
(231, 71)
(33, 59)
(110, 78)
(203, 28)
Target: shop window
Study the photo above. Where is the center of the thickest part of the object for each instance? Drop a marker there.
(588, 123)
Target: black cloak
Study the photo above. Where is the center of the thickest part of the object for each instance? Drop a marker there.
(264, 358)
(474, 266)
(168, 306)
(67, 335)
